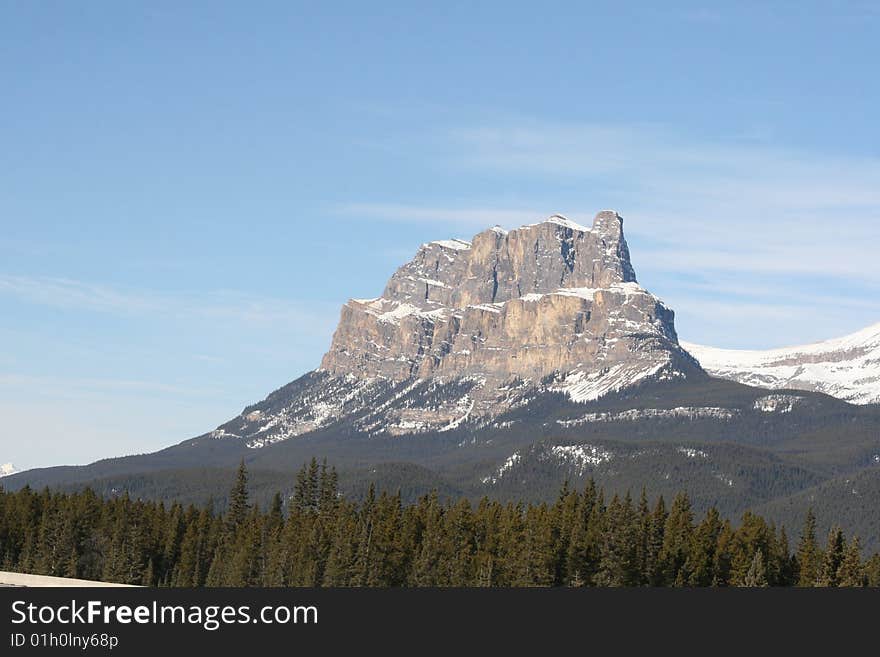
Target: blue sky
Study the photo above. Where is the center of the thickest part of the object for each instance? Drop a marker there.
(189, 191)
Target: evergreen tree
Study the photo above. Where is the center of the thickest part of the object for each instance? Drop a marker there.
(618, 564)
(238, 498)
(851, 573)
(584, 542)
(702, 559)
(834, 553)
(677, 538)
(655, 527)
(756, 575)
(753, 535)
(808, 554)
(872, 571)
(326, 540)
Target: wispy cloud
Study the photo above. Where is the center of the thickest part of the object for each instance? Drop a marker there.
(74, 386)
(312, 317)
(732, 205)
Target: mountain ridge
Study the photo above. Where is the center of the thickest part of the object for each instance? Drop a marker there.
(847, 367)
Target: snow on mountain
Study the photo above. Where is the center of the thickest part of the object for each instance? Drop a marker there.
(7, 469)
(847, 368)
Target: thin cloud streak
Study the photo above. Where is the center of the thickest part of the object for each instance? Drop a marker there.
(68, 294)
(805, 223)
(82, 385)
(724, 205)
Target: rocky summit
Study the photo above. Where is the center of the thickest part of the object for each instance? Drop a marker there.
(468, 329)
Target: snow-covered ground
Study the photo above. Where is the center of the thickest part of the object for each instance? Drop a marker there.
(29, 581)
(847, 367)
(7, 469)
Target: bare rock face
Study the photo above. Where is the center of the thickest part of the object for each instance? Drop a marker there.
(466, 331)
(546, 298)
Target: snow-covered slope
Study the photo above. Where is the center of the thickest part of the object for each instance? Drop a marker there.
(847, 368)
(7, 469)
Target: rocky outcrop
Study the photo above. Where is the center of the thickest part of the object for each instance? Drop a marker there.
(545, 298)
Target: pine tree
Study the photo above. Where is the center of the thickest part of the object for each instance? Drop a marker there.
(583, 550)
(851, 573)
(834, 553)
(752, 535)
(808, 554)
(364, 556)
(313, 478)
(326, 540)
(328, 495)
(341, 559)
(618, 550)
(677, 538)
(788, 562)
(238, 499)
(457, 554)
(756, 575)
(653, 574)
(511, 568)
(565, 513)
(872, 571)
(702, 559)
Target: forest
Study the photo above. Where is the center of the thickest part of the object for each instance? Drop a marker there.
(319, 538)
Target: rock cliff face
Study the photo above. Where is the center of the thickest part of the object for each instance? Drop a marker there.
(467, 329)
(542, 299)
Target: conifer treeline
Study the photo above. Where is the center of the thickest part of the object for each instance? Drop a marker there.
(323, 540)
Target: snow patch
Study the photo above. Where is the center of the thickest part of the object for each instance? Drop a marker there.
(455, 244)
(581, 457)
(777, 403)
(635, 414)
(585, 387)
(503, 469)
(467, 405)
(692, 453)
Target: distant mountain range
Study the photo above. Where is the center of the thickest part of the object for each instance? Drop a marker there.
(508, 364)
(847, 368)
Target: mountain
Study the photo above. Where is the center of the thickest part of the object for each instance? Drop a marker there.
(468, 330)
(847, 368)
(7, 469)
(506, 365)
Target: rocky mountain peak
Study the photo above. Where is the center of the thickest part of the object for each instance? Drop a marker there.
(468, 330)
(498, 265)
(543, 298)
